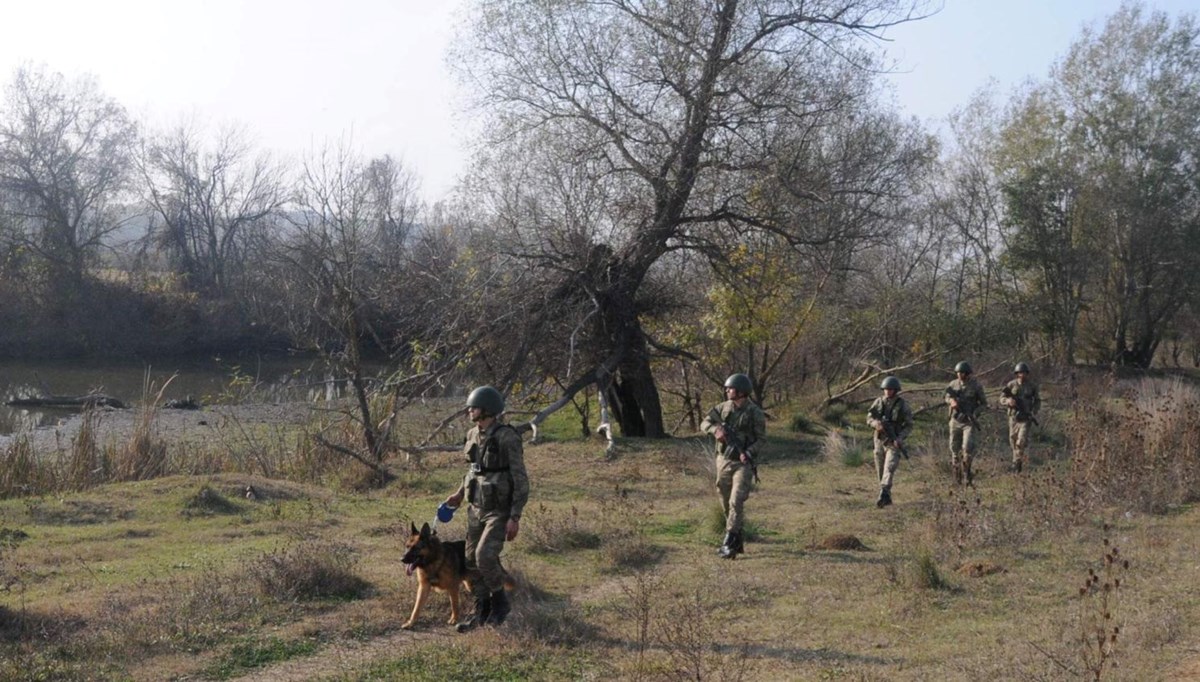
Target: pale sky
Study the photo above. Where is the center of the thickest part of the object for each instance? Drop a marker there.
(300, 72)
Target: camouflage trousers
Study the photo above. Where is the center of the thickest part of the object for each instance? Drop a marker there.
(962, 443)
(485, 540)
(734, 481)
(887, 459)
(1018, 437)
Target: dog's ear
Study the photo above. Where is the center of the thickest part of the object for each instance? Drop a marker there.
(424, 530)
(414, 528)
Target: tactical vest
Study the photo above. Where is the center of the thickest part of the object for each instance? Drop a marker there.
(889, 413)
(741, 424)
(488, 485)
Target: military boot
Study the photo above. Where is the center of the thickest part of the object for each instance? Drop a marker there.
(958, 473)
(737, 547)
(732, 546)
(723, 550)
(483, 611)
(501, 607)
(1016, 466)
(967, 474)
(885, 498)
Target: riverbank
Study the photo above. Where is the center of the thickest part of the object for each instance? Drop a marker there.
(180, 430)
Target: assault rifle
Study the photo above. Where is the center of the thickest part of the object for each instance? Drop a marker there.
(890, 434)
(1022, 410)
(734, 442)
(962, 405)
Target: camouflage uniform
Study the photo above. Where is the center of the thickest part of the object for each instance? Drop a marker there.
(971, 400)
(1018, 422)
(497, 488)
(887, 455)
(734, 479)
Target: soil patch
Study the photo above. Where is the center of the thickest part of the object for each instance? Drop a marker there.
(842, 542)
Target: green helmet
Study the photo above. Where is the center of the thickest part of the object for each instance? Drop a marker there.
(487, 399)
(1021, 367)
(741, 383)
(890, 382)
(963, 367)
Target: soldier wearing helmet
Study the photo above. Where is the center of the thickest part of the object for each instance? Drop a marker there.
(739, 427)
(496, 488)
(966, 399)
(892, 419)
(1023, 401)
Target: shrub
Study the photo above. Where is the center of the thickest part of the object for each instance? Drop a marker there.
(926, 575)
(835, 413)
(553, 533)
(837, 446)
(1136, 452)
(310, 570)
(207, 501)
(801, 423)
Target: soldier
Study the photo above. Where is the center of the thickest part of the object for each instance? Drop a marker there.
(497, 488)
(965, 397)
(1024, 402)
(892, 419)
(739, 426)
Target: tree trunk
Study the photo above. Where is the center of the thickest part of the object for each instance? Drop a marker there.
(632, 393)
(634, 397)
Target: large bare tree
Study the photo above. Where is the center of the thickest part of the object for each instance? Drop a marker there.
(206, 198)
(671, 124)
(65, 151)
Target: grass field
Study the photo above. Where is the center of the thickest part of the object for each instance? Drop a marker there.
(185, 577)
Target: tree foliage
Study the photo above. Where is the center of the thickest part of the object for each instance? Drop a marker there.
(1101, 180)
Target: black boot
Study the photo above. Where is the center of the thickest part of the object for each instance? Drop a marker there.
(732, 546)
(958, 473)
(723, 550)
(483, 611)
(738, 547)
(500, 608)
(969, 476)
(1016, 466)
(885, 498)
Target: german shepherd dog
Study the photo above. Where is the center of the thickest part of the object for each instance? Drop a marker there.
(440, 565)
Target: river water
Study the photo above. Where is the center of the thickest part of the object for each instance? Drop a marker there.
(208, 381)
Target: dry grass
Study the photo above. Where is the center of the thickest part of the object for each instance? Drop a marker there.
(617, 574)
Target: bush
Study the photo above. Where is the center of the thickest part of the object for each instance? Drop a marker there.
(835, 413)
(1137, 452)
(801, 423)
(926, 575)
(311, 570)
(553, 533)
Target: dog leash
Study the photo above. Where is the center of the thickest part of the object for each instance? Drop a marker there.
(443, 515)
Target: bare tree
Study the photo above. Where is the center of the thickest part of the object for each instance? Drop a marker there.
(360, 276)
(208, 198)
(65, 151)
(676, 112)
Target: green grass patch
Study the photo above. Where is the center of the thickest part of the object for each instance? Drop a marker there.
(681, 528)
(251, 655)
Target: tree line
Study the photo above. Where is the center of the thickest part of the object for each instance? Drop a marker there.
(663, 193)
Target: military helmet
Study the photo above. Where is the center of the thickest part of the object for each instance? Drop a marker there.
(487, 399)
(741, 383)
(890, 382)
(963, 367)
(1021, 367)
